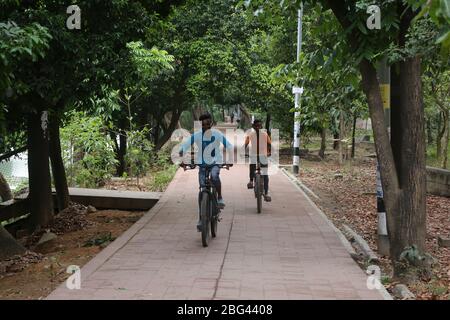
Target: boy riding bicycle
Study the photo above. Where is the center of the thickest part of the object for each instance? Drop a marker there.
(208, 142)
(259, 150)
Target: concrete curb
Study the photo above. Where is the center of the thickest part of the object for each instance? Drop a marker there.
(299, 183)
(383, 292)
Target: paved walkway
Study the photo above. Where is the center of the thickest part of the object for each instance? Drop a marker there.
(288, 252)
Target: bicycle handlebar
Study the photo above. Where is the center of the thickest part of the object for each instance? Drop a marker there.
(193, 166)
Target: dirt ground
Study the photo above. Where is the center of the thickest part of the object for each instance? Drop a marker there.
(45, 269)
(348, 196)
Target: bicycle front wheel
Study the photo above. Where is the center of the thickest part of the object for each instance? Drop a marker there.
(258, 193)
(204, 216)
(214, 217)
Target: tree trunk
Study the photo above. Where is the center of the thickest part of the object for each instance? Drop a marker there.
(445, 138)
(8, 245)
(113, 137)
(353, 136)
(168, 132)
(58, 170)
(429, 133)
(335, 141)
(408, 143)
(440, 134)
(5, 191)
(121, 153)
(156, 134)
(323, 144)
(403, 177)
(341, 135)
(268, 119)
(383, 148)
(196, 112)
(41, 203)
(246, 118)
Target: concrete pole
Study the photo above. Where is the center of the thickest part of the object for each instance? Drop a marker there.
(296, 160)
(384, 78)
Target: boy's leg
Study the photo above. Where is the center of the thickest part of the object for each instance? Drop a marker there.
(252, 175)
(201, 182)
(215, 177)
(215, 172)
(264, 171)
(266, 184)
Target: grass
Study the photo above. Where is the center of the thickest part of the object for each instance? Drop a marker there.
(162, 177)
(432, 159)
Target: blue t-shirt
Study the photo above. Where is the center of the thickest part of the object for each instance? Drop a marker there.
(208, 146)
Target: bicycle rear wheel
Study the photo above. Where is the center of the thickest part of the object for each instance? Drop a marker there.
(258, 193)
(204, 216)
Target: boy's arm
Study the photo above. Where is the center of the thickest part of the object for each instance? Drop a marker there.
(246, 143)
(269, 140)
(227, 145)
(269, 145)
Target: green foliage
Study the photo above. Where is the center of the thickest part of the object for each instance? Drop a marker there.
(412, 256)
(78, 65)
(139, 153)
(106, 104)
(432, 158)
(87, 151)
(162, 169)
(18, 44)
(149, 62)
(100, 240)
(162, 178)
(439, 12)
(385, 279)
(436, 289)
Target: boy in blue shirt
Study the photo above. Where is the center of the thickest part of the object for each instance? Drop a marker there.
(208, 154)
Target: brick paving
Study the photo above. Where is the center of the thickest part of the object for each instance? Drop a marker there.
(289, 251)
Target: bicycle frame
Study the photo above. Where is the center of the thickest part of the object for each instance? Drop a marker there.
(208, 207)
(210, 189)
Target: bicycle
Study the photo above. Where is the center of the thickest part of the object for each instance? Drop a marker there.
(258, 187)
(209, 210)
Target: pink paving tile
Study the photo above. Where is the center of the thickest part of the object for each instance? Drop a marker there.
(289, 251)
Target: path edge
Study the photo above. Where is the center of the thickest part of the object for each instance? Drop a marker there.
(292, 179)
(103, 256)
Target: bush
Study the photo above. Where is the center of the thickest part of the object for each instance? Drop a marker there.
(139, 155)
(87, 151)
